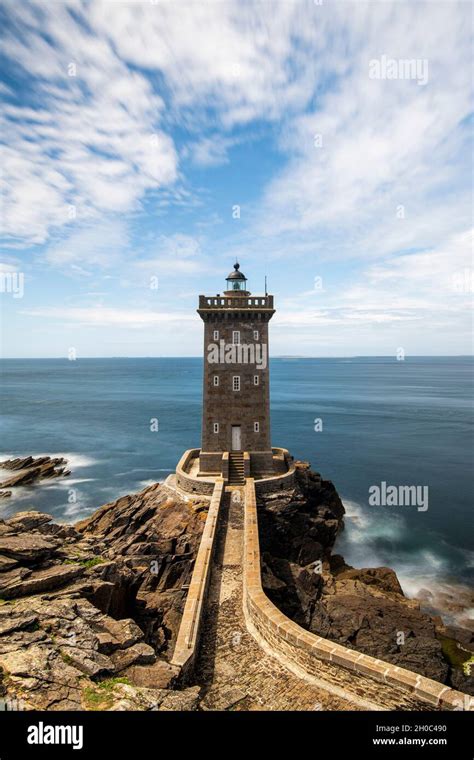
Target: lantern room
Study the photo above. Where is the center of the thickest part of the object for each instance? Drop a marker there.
(236, 281)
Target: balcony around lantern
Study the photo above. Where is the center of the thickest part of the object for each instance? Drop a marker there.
(235, 302)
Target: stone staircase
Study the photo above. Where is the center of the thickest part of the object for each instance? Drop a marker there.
(236, 468)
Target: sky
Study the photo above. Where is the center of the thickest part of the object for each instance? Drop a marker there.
(148, 145)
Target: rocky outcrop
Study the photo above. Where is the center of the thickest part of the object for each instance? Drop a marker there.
(89, 614)
(155, 536)
(30, 470)
(364, 609)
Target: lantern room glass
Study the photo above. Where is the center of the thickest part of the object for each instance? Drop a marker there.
(240, 285)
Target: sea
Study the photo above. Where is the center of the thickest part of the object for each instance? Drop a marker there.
(123, 423)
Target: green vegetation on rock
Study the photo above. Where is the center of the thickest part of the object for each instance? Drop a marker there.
(101, 695)
(456, 655)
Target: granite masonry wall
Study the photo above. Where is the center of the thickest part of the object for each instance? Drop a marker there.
(189, 483)
(187, 641)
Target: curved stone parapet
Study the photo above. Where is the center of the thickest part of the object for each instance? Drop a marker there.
(189, 482)
(284, 477)
(306, 653)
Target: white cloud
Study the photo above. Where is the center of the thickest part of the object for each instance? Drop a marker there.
(222, 73)
(102, 316)
(385, 143)
(101, 246)
(209, 151)
(239, 59)
(414, 300)
(371, 146)
(8, 268)
(97, 141)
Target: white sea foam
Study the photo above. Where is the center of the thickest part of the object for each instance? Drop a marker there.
(73, 510)
(18, 493)
(63, 484)
(146, 483)
(425, 578)
(74, 460)
(142, 469)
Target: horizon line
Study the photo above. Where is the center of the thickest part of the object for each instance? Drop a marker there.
(278, 356)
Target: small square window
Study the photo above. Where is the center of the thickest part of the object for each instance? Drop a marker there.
(236, 383)
(216, 427)
(216, 379)
(256, 380)
(216, 334)
(256, 427)
(236, 337)
(255, 334)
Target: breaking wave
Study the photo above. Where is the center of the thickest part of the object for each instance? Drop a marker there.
(425, 575)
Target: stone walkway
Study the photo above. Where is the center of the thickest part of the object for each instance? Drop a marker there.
(237, 674)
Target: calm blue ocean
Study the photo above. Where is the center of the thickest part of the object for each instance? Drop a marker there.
(403, 422)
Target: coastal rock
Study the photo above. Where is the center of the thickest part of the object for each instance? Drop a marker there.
(381, 625)
(129, 698)
(6, 563)
(363, 609)
(155, 535)
(87, 611)
(139, 654)
(159, 675)
(51, 658)
(26, 521)
(35, 582)
(463, 680)
(28, 547)
(383, 578)
(29, 470)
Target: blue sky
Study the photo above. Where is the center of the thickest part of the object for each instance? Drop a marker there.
(132, 131)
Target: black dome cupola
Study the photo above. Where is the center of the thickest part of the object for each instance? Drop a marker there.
(236, 280)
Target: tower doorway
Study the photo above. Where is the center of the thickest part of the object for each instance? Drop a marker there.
(236, 438)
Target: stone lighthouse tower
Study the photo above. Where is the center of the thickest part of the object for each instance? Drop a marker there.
(236, 394)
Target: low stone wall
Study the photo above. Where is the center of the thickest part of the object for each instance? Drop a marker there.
(210, 462)
(358, 674)
(281, 481)
(204, 485)
(188, 483)
(261, 461)
(225, 466)
(188, 635)
(247, 461)
(281, 460)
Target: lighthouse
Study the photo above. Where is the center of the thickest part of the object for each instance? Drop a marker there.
(236, 438)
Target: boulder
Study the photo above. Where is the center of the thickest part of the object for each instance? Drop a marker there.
(27, 521)
(40, 580)
(383, 578)
(28, 547)
(159, 675)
